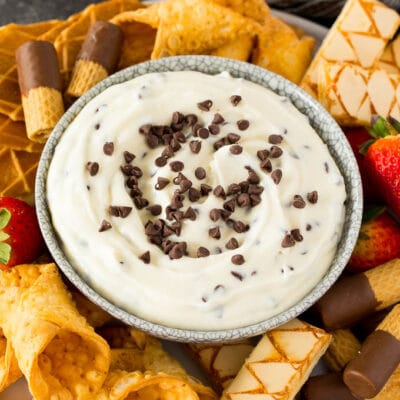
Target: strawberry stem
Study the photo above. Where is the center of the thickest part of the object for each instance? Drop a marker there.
(372, 212)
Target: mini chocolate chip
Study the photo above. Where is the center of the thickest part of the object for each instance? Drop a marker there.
(128, 156)
(180, 137)
(243, 124)
(179, 178)
(215, 214)
(266, 165)
(194, 194)
(176, 252)
(151, 229)
(244, 186)
(298, 201)
(135, 191)
(296, 234)
(214, 129)
(203, 252)
(200, 173)
(219, 192)
(243, 200)
(263, 154)
(175, 145)
(97, 127)
(233, 138)
(233, 188)
(215, 232)
(220, 143)
(167, 231)
(253, 178)
(108, 148)
(160, 161)
(232, 244)
(177, 166)
(195, 146)
(237, 275)
(235, 99)
(104, 226)
(140, 202)
(145, 129)
(276, 176)
(176, 227)
(225, 214)
(237, 259)
(204, 133)
(218, 119)
(255, 189)
(145, 257)
(275, 139)
(275, 152)
(177, 200)
(191, 119)
(240, 227)
(155, 209)
(152, 141)
(190, 214)
(185, 185)
(236, 149)
(166, 139)
(177, 117)
(255, 199)
(230, 205)
(119, 211)
(161, 183)
(308, 227)
(196, 127)
(205, 105)
(127, 169)
(177, 216)
(312, 197)
(167, 152)
(136, 171)
(205, 189)
(158, 130)
(288, 241)
(93, 168)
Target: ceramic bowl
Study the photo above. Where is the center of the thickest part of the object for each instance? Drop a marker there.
(319, 118)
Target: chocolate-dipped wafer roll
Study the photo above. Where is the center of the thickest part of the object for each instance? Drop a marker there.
(97, 59)
(40, 84)
(354, 297)
(344, 348)
(378, 358)
(327, 387)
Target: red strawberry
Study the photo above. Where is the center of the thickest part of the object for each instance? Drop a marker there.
(357, 137)
(382, 161)
(20, 238)
(377, 242)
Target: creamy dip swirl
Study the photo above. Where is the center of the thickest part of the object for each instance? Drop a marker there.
(289, 242)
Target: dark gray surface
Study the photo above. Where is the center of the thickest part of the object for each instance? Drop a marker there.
(25, 11)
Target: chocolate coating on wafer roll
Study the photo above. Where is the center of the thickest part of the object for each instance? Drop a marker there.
(347, 302)
(379, 356)
(37, 66)
(327, 387)
(102, 45)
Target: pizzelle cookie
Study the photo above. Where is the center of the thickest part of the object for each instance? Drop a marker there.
(280, 363)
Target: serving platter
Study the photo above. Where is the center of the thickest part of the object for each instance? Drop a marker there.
(19, 390)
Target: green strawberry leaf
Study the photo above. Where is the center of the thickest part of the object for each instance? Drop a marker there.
(3, 236)
(5, 253)
(394, 123)
(378, 128)
(363, 148)
(5, 217)
(372, 212)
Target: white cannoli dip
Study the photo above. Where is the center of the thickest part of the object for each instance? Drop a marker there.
(196, 201)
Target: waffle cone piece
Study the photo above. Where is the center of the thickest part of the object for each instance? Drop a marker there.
(359, 37)
(221, 362)
(280, 363)
(69, 41)
(140, 369)
(59, 353)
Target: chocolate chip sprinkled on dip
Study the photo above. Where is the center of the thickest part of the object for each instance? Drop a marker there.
(200, 195)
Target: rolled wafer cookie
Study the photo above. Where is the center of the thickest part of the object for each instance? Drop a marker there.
(344, 348)
(354, 297)
(377, 360)
(221, 362)
(40, 85)
(280, 363)
(359, 36)
(353, 94)
(97, 59)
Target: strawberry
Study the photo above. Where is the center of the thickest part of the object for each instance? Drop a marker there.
(382, 161)
(378, 240)
(357, 136)
(20, 238)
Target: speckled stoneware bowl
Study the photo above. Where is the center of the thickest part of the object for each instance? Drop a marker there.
(326, 127)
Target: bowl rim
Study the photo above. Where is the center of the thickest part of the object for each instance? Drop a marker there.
(247, 71)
